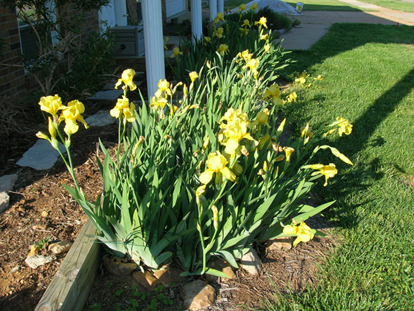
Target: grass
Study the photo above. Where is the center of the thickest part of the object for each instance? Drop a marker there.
(325, 5)
(393, 4)
(368, 75)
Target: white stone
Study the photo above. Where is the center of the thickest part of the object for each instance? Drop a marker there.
(7, 182)
(4, 201)
(251, 262)
(197, 295)
(60, 247)
(41, 156)
(101, 118)
(36, 261)
(15, 269)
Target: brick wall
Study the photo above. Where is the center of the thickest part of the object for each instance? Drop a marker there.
(132, 10)
(91, 23)
(12, 79)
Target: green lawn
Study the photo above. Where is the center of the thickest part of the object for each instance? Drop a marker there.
(393, 4)
(368, 75)
(325, 5)
(309, 5)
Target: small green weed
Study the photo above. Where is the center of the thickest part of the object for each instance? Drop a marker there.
(43, 243)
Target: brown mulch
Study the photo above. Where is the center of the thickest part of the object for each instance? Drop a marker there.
(40, 207)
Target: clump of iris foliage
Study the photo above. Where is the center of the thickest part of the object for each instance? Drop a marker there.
(203, 174)
(230, 35)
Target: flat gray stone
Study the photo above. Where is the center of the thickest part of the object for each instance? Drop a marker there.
(251, 262)
(41, 156)
(101, 118)
(4, 201)
(7, 182)
(110, 86)
(107, 95)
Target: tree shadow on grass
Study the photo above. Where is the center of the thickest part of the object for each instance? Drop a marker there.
(342, 38)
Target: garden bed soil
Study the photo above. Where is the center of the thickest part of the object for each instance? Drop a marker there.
(40, 207)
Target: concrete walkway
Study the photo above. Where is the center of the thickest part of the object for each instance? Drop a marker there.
(315, 24)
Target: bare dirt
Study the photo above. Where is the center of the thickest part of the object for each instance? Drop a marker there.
(41, 208)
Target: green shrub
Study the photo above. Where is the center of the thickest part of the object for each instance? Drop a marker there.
(275, 21)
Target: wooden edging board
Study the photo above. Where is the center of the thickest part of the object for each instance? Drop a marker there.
(71, 284)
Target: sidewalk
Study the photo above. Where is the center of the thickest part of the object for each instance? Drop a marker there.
(315, 24)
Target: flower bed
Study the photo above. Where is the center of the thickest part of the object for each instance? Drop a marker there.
(205, 174)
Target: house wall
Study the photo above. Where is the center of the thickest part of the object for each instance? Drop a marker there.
(12, 79)
(91, 23)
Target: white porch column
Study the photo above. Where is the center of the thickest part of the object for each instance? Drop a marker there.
(213, 9)
(121, 13)
(154, 46)
(196, 19)
(221, 6)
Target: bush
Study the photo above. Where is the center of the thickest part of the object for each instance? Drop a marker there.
(275, 20)
(69, 65)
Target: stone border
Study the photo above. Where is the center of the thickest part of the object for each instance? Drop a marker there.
(72, 283)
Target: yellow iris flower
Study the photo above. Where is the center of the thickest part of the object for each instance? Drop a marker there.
(234, 133)
(219, 33)
(72, 114)
(216, 163)
(52, 129)
(246, 23)
(292, 97)
(328, 171)
(163, 89)
(344, 126)
(223, 49)
(245, 55)
(51, 104)
(303, 232)
(122, 109)
(160, 102)
(232, 115)
(252, 65)
(176, 52)
(193, 76)
(242, 7)
(254, 7)
(244, 31)
(219, 18)
(127, 78)
(262, 22)
(288, 152)
(264, 37)
(274, 93)
(305, 133)
(301, 80)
